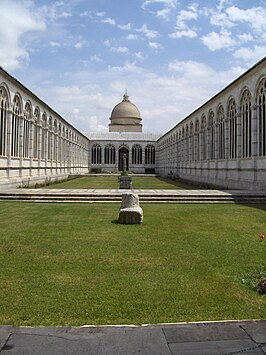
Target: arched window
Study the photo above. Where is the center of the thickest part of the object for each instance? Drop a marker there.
(36, 128)
(246, 124)
(231, 113)
(261, 104)
(15, 127)
(136, 154)
(44, 132)
(55, 151)
(59, 142)
(96, 154)
(187, 144)
(196, 140)
(109, 154)
(64, 144)
(211, 136)
(50, 138)
(221, 132)
(203, 138)
(150, 154)
(26, 130)
(3, 120)
(179, 147)
(191, 143)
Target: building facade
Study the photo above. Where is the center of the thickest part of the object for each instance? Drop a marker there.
(222, 143)
(36, 143)
(107, 151)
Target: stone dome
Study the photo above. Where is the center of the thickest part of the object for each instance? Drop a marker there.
(125, 117)
(125, 109)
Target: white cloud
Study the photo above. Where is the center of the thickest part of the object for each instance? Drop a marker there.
(110, 21)
(84, 13)
(94, 125)
(55, 11)
(107, 43)
(245, 37)
(250, 55)
(54, 44)
(119, 49)
(148, 33)
(128, 67)
(96, 58)
(164, 13)
(155, 45)
(185, 33)
(126, 27)
(231, 16)
(181, 28)
(183, 16)
(139, 56)
(79, 44)
(165, 10)
(100, 13)
(17, 19)
(168, 3)
(254, 16)
(220, 19)
(215, 41)
(131, 36)
(64, 14)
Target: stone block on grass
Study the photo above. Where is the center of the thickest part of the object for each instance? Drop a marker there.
(130, 212)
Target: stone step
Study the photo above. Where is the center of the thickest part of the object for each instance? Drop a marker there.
(144, 198)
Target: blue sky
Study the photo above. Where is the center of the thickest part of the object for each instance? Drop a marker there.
(80, 56)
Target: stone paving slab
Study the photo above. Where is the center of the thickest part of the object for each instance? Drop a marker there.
(223, 338)
(4, 336)
(256, 330)
(204, 332)
(93, 341)
(221, 347)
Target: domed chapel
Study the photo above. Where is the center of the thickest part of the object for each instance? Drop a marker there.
(124, 139)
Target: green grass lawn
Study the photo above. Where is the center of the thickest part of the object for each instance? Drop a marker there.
(72, 264)
(111, 182)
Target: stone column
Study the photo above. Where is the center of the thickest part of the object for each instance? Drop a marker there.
(46, 136)
(39, 147)
(9, 141)
(254, 130)
(239, 152)
(21, 136)
(254, 139)
(31, 146)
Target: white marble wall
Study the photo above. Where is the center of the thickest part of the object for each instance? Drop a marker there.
(36, 158)
(181, 150)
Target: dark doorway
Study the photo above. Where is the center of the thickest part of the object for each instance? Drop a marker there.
(122, 151)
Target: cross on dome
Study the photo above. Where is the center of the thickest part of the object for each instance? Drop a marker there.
(126, 97)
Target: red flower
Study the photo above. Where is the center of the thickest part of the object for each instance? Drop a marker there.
(262, 235)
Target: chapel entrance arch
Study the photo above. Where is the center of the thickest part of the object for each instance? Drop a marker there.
(123, 153)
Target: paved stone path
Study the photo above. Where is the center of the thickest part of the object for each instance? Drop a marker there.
(223, 338)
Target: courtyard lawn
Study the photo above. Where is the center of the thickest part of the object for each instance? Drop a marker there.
(111, 182)
(72, 264)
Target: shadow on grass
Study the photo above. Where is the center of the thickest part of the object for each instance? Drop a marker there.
(260, 206)
(181, 184)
